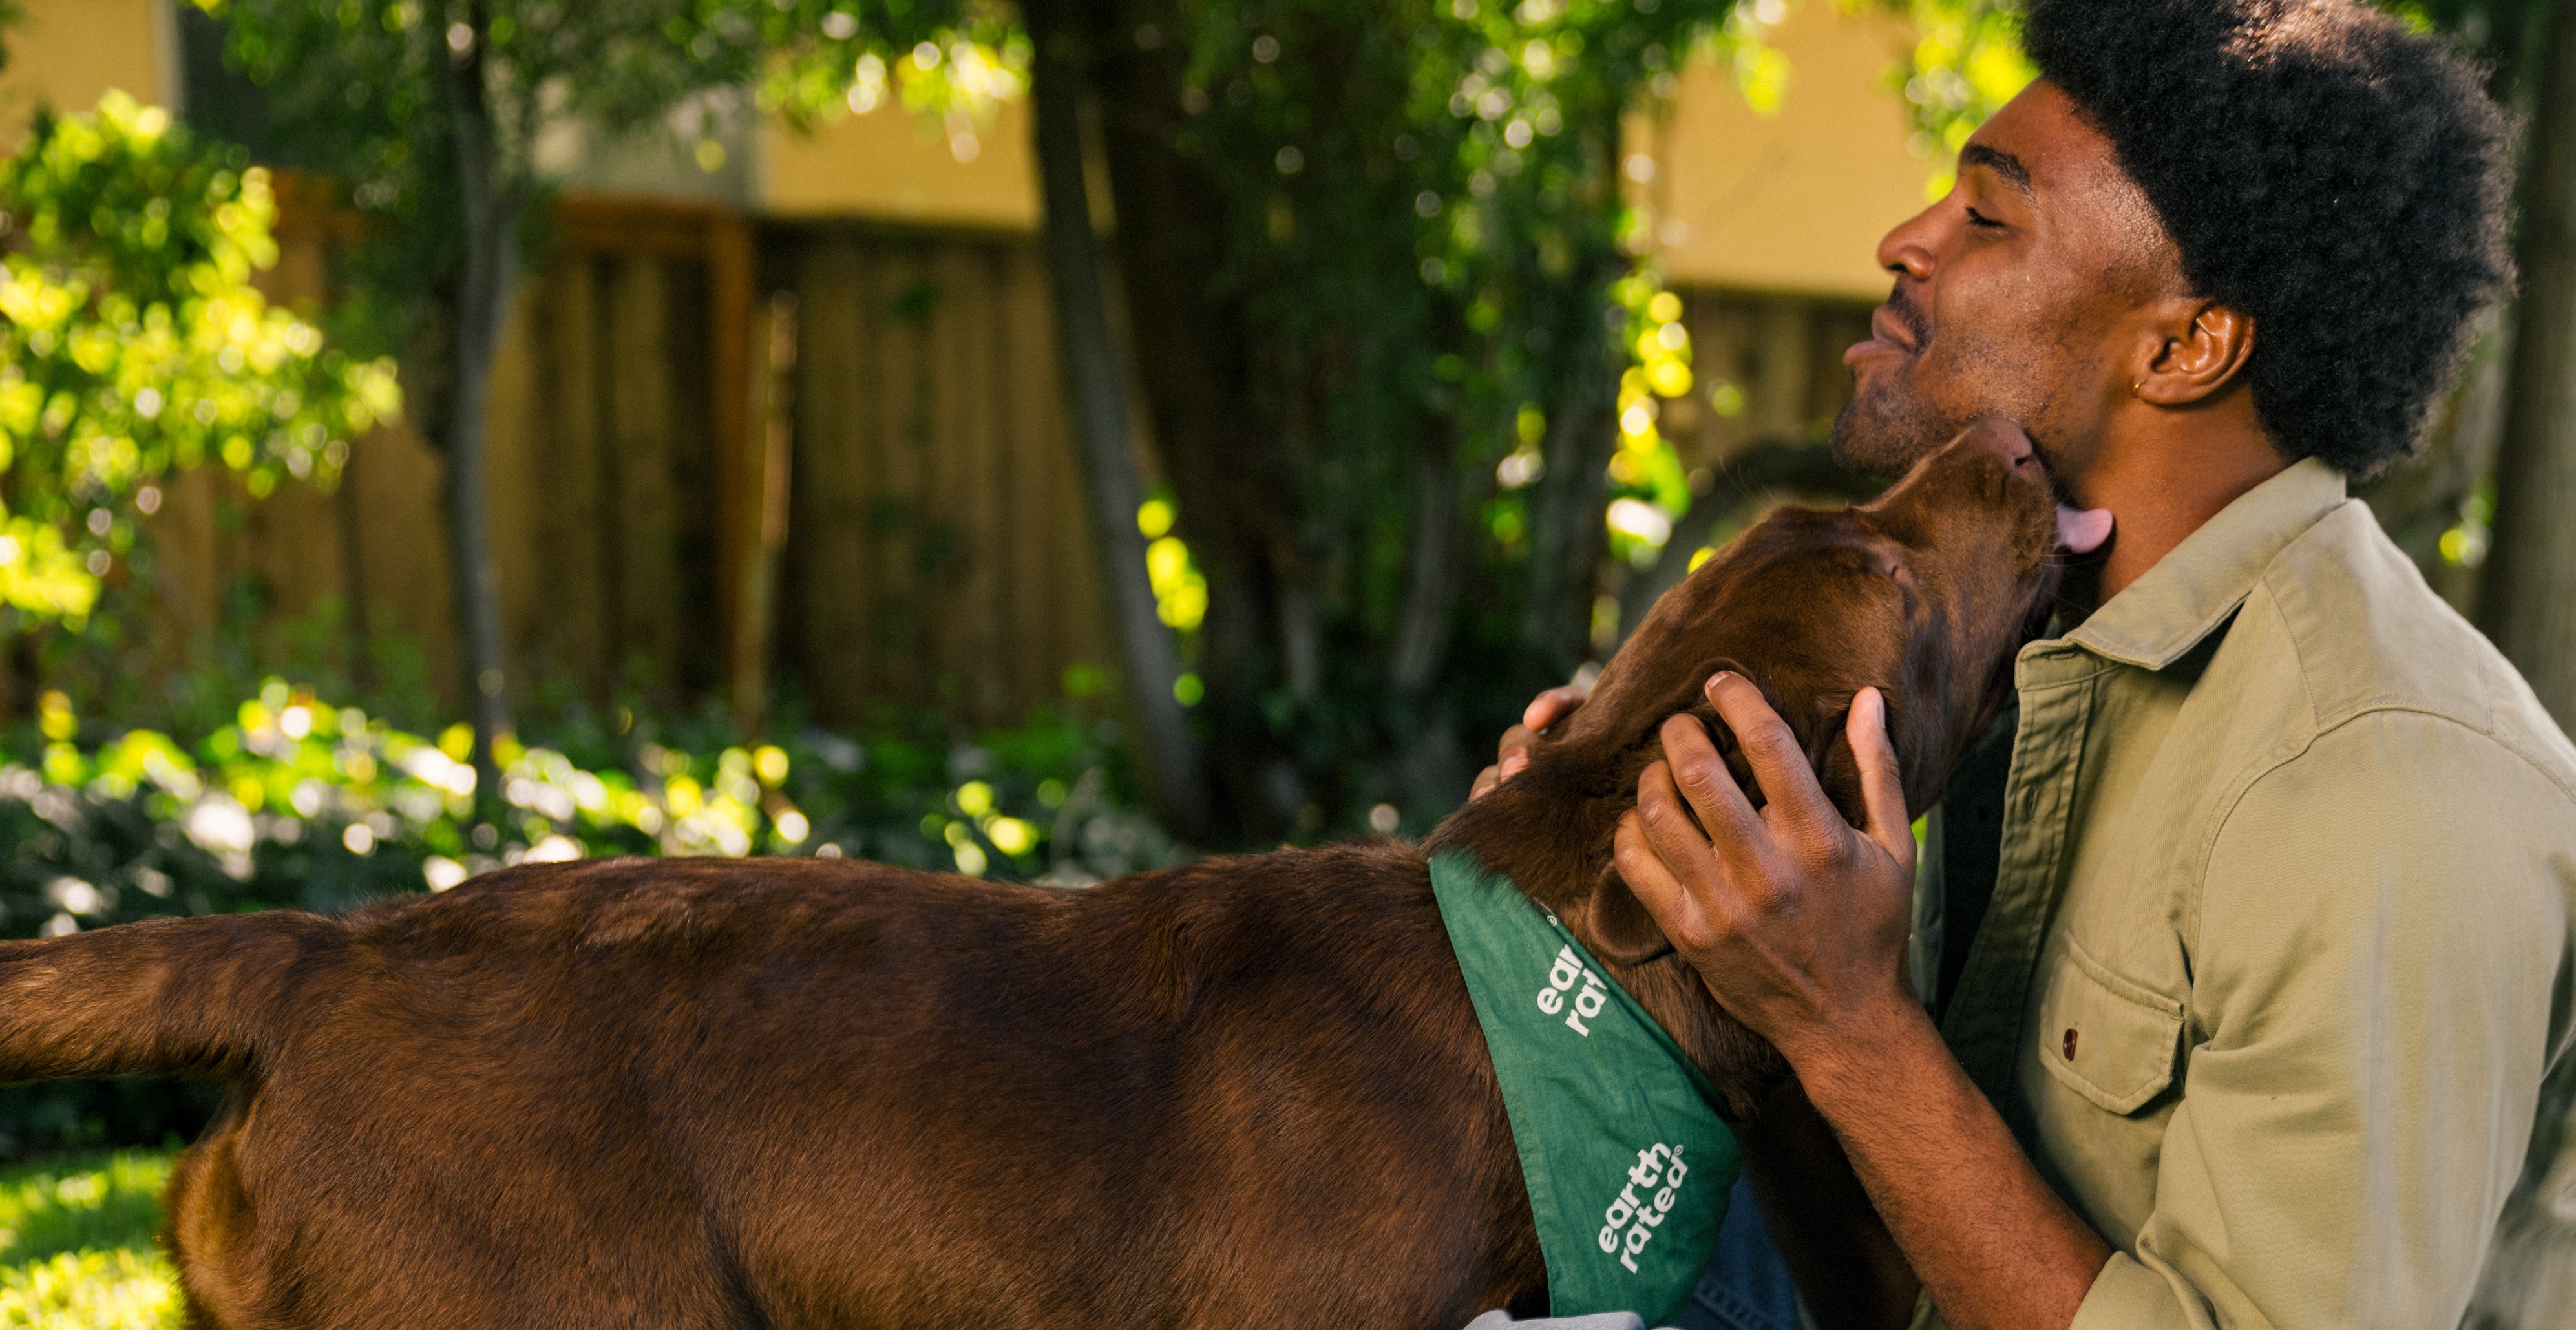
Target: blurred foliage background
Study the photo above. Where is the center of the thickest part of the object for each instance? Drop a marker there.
(133, 344)
(1350, 402)
(78, 1248)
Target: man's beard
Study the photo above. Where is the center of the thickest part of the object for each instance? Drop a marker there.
(1892, 423)
(1889, 426)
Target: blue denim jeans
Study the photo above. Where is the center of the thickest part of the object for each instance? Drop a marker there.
(1746, 1287)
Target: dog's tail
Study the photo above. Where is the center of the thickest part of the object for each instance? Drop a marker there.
(164, 997)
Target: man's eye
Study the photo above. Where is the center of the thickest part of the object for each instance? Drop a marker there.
(1976, 218)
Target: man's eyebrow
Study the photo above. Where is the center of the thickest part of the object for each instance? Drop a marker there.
(2002, 163)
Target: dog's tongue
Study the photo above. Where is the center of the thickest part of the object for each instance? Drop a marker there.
(2082, 530)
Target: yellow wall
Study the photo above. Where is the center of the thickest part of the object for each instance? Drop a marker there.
(68, 52)
(1796, 201)
(890, 163)
(1792, 202)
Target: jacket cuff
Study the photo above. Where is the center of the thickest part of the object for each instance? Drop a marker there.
(2128, 1296)
(2125, 1296)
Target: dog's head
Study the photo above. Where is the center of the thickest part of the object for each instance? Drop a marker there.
(1925, 594)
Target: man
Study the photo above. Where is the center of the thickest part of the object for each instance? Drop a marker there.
(2249, 939)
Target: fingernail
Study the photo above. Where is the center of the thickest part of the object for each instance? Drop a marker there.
(1715, 679)
(1512, 765)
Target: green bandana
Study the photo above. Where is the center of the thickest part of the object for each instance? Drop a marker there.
(1626, 1161)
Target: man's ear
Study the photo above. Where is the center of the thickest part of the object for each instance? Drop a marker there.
(2202, 347)
(1615, 923)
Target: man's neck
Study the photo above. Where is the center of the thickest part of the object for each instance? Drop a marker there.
(2163, 473)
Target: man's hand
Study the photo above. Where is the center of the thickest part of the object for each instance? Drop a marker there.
(1512, 753)
(1795, 918)
(1796, 921)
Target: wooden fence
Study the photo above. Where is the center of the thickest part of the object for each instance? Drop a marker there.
(937, 549)
(616, 399)
(1782, 353)
(832, 455)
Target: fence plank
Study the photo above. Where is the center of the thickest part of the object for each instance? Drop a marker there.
(400, 486)
(571, 635)
(963, 490)
(930, 477)
(825, 573)
(640, 429)
(514, 443)
(691, 606)
(900, 301)
(938, 551)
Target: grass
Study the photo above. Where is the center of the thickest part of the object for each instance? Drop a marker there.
(77, 1246)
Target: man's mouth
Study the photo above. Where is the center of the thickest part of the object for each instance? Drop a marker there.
(1890, 334)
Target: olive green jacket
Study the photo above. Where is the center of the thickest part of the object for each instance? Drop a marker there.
(2276, 981)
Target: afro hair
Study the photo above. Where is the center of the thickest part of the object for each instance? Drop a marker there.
(2336, 178)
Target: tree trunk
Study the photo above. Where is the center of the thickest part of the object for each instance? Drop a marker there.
(1097, 385)
(1422, 626)
(2528, 601)
(1239, 495)
(489, 283)
(1566, 535)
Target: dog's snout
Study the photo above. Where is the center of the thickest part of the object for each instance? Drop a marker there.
(2005, 438)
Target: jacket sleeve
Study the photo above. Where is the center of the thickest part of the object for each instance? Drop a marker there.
(2378, 955)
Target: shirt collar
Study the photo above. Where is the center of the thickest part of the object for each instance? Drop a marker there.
(2195, 587)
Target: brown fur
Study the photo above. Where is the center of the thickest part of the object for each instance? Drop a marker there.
(774, 1092)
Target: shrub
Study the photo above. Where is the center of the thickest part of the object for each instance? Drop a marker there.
(77, 1249)
(133, 343)
(301, 803)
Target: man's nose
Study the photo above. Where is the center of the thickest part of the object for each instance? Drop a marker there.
(1906, 249)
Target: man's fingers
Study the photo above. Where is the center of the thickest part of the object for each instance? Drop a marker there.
(1514, 760)
(1554, 705)
(1771, 749)
(1670, 829)
(1695, 772)
(1882, 784)
(1512, 753)
(1675, 910)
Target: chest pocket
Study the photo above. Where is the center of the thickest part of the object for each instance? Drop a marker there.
(2111, 1040)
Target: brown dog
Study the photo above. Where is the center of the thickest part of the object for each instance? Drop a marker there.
(1249, 1092)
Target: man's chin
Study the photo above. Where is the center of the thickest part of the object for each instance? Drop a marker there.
(1881, 438)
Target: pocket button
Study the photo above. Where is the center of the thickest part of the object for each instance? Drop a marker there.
(2126, 1033)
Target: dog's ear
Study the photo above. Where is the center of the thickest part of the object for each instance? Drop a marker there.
(1617, 925)
(1829, 752)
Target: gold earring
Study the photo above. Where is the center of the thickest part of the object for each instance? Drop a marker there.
(2135, 385)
